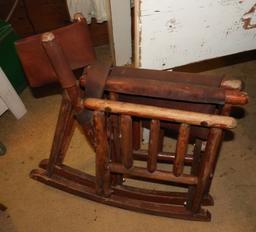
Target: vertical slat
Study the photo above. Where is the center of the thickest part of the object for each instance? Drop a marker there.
(117, 179)
(161, 140)
(116, 157)
(181, 148)
(102, 156)
(207, 166)
(136, 134)
(126, 140)
(224, 111)
(194, 170)
(153, 145)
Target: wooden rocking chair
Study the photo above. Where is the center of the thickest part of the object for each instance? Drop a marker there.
(192, 106)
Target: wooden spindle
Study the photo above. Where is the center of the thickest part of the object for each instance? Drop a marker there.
(161, 140)
(117, 179)
(153, 145)
(102, 156)
(181, 148)
(136, 134)
(196, 163)
(126, 140)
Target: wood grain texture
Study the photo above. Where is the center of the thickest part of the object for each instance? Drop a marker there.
(181, 116)
(157, 175)
(181, 149)
(153, 148)
(126, 140)
(206, 167)
(102, 154)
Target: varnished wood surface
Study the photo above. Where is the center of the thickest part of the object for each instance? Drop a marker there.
(192, 118)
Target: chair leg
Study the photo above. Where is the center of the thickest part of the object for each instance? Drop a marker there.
(206, 168)
(62, 135)
(116, 148)
(68, 133)
(224, 111)
(103, 179)
(117, 179)
(194, 170)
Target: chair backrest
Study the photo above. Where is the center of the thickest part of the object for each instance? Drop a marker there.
(75, 42)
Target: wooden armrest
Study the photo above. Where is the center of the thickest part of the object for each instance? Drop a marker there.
(160, 113)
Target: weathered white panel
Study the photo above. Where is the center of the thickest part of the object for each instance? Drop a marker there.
(174, 33)
(121, 31)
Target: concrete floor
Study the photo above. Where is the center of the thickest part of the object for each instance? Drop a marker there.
(33, 206)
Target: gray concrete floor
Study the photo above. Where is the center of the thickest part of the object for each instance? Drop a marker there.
(33, 206)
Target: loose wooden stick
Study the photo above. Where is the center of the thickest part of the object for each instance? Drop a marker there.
(181, 148)
(157, 175)
(153, 145)
(161, 113)
(126, 140)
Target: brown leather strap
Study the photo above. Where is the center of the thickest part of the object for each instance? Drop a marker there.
(96, 76)
(178, 77)
(95, 79)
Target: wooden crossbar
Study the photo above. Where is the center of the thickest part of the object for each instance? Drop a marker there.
(161, 113)
(156, 175)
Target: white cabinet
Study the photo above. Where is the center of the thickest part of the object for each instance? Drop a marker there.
(172, 33)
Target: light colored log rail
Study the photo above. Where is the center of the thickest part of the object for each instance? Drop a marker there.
(160, 113)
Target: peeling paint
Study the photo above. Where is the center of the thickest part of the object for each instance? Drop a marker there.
(249, 18)
(176, 33)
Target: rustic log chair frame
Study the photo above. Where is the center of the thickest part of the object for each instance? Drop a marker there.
(104, 120)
